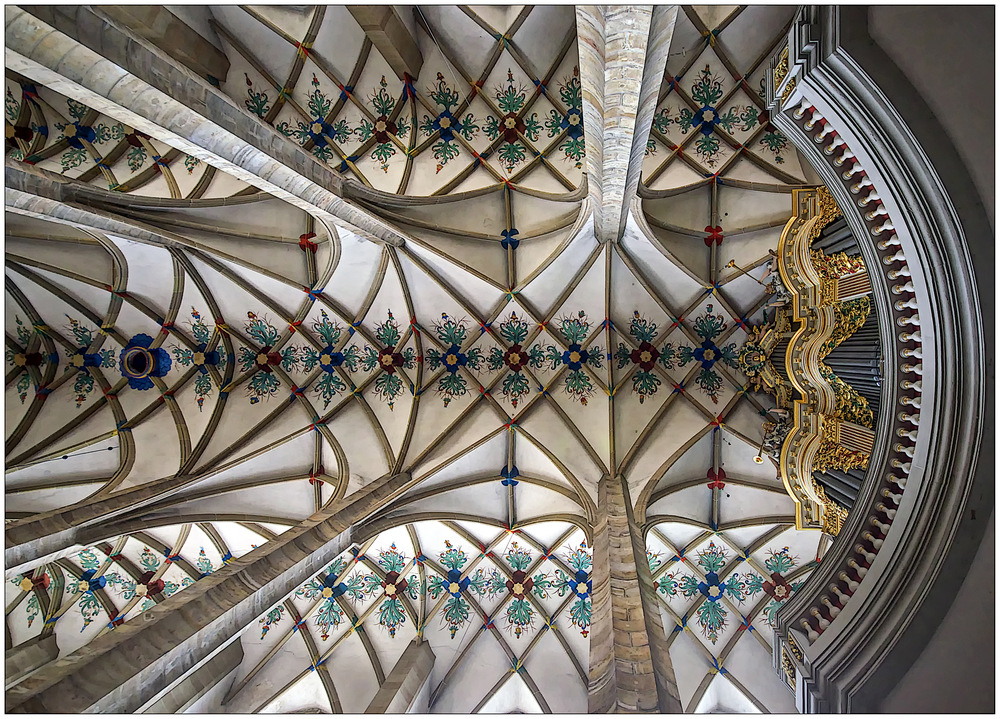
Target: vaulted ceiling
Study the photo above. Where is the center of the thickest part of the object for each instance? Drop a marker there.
(256, 363)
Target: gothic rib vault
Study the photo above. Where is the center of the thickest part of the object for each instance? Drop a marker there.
(202, 354)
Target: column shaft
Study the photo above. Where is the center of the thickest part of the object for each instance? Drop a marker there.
(29, 656)
(404, 682)
(623, 52)
(630, 669)
(199, 682)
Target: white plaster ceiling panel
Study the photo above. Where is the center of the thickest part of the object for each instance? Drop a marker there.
(753, 31)
(461, 433)
(454, 29)
(563, 689)
(305, 694)
(723, 697)
(47, 434)
(147, 279)
(41, 500)
(738, 459)
(484, 500)
(480, 294)
(675, 287)
(744, 421)
(490, 666)
(746, 503)
(157, 450)
(692, 464)
(534, 501)
(94, 461)
(546, 428)
(744, 663)
(488, 457)
(541, 35)
(690, 664)
(88, 260)
(545, 289)
(276, 57)
(353, 670)
(677, 426)
(531, 459)
(339, 40)
(285, 668)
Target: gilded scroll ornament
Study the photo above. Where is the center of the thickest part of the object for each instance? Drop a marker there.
(788, 667)
(834, 515)
(781, 69)
(834, 456)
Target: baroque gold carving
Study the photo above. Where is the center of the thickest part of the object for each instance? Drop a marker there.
(817, 323)
(788, 667)
(788, 91)
(828, 210)
(781, 69)
(834, 456)
(794, 649)
(834, 515)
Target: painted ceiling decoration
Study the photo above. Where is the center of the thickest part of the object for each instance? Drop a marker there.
(46, 129)
(85, 595)
(244, 365)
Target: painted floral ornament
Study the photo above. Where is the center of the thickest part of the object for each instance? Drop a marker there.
(147, 585)
(29, 582)
(456, 608)
(580, 584)
(138, 362)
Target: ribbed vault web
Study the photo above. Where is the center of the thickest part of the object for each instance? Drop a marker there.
(502, 355)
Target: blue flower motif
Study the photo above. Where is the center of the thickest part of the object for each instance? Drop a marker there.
(318, 130)
(580, 584)
(575, 357)
(456, 585)
(447, 134)
(138, 362)
(92, 584)
(713, 589)
(573, 122)
(336, 589)
(707, 354)
(78, 133)
(509, 241)
(207, 358)
(705, 125)
(453, 359)
(329, 359)
(508, 476)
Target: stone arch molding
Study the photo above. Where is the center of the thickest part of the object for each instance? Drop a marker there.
(881, 571)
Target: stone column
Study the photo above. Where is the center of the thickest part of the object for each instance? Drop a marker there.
(404, 682)
(124, 669)
(623, 52)
(630, 669)
(199, 682)
(175, 37)
(391, 36)
(29, 656)
(92, 59)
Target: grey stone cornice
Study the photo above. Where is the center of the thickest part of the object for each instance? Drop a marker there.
(852, 662)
